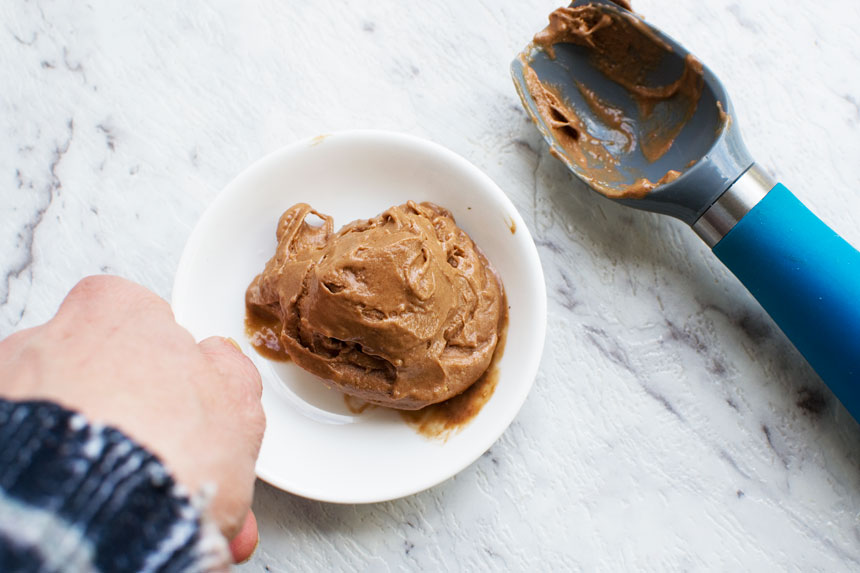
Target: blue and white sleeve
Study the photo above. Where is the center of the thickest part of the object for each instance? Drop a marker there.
(76, 496)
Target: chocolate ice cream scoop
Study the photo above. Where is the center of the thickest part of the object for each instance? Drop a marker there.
(640, 120)
(401, 310)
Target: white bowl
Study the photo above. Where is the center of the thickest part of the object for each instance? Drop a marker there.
(313, 445)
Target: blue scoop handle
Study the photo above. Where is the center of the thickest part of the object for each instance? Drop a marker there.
(808, 279)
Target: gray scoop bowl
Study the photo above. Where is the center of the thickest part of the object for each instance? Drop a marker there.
(718, 154)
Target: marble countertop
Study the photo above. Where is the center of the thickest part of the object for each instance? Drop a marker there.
(671, 426)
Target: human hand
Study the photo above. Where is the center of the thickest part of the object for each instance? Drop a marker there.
(114, 353)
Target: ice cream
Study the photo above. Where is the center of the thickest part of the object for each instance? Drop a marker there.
(401, 310)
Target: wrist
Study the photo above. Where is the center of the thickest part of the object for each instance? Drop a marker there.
(107, 498)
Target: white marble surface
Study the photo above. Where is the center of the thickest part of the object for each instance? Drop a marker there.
(671, 427)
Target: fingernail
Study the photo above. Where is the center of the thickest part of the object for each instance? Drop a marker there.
(234, 343)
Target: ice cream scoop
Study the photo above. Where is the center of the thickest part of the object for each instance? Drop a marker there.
(401, 310)
(643, 122)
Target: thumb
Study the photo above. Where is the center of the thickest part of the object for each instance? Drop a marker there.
(242, 546)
